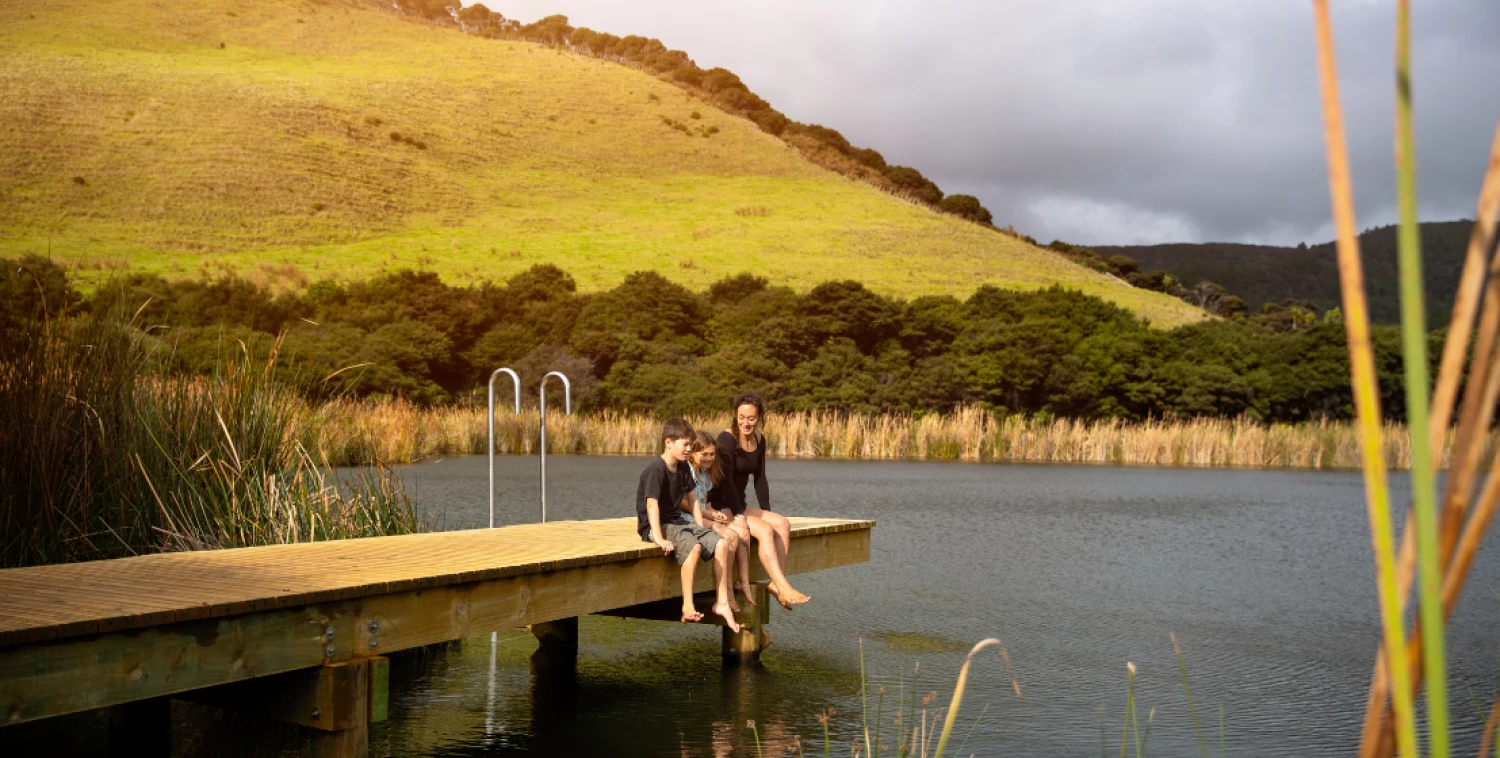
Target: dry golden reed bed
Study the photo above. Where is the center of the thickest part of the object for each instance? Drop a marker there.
(395, 432)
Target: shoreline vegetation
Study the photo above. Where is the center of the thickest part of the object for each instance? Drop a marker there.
(105, 454)
(395, 431)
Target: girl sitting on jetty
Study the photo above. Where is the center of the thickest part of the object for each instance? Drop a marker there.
(742, 452)
(703, 463)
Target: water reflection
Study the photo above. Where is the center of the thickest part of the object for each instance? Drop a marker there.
(637, 688)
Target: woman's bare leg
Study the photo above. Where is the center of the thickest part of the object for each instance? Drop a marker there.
(765, 535)
(780, 525)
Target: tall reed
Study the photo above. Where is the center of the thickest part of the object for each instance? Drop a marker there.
(397, 431)
(1437, 548)
(1414, 353)
(104, 454)
(1363, 379)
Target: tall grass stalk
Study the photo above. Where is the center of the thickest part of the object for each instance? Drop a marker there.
(1129, 707)
(825, 717)
(1146, 736)
(1491, 724)
(1363, 381)
(958, 694)
(1467, 452)
(1187, 688)
(972, 727)
(755, 732)
(1414, 351)
(104, 454)
(864, 698)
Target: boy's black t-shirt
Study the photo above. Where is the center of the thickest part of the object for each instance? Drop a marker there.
(667, 486)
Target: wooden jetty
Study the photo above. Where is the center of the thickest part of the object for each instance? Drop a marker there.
(298, 632)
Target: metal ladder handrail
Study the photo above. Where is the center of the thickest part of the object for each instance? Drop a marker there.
(568, 408)
(516, 382)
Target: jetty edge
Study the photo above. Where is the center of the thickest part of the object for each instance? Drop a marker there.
(299, 631)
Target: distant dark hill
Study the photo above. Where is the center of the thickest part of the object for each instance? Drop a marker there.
(1269, 274)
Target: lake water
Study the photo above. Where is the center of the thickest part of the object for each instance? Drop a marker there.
(1265, 577)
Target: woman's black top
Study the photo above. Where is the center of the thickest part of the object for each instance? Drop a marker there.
(738, 465)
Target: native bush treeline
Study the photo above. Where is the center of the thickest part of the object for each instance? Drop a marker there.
(651, 345)
(1263, 274)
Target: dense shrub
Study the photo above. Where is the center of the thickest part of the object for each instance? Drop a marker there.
(911, 182)
(966, 206)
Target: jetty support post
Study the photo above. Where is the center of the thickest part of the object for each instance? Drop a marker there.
(554, 674)
(559, 634)
(745, 646)
(336, 702)
(142, 727)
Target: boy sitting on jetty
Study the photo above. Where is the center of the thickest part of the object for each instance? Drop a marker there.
(665, 486)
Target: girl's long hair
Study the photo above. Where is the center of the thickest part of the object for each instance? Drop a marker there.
(705, 441)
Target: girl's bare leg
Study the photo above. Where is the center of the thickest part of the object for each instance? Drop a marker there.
(723, 557)
(742, 554)
(728, 535)
(765, 535)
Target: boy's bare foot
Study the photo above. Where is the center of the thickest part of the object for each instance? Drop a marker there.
(733, 606)
(723, 610)
(690, 614)
(749, 596)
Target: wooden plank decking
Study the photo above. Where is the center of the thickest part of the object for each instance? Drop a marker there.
(88, 635)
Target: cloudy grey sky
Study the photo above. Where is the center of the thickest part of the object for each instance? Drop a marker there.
(1108, 121)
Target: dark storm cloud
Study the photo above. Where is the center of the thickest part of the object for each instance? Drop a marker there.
(1107, 121)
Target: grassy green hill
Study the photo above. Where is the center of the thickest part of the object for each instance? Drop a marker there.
(293, 140)
(1269, 274)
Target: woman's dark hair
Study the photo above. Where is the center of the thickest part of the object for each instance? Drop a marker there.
(749, 398)
(746, 398)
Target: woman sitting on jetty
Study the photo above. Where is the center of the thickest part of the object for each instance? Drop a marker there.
(708, 474)
(742, 452)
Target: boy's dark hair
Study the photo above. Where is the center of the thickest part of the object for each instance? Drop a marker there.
(749, 398)
(676, 429)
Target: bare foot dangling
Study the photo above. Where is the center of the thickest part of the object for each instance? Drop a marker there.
(690, 614)
(749, 596)
(723, 610)
(785, 603)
